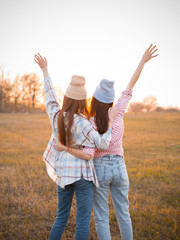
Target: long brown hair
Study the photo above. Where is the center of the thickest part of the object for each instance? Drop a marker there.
(70, 106)
(99, 111)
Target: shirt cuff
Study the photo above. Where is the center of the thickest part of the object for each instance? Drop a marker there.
(128, 92)
(47, 78)
(89, 151)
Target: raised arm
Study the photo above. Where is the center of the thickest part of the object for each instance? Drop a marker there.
(51, 102)
(148, 54)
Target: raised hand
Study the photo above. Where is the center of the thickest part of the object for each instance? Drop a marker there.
(42, 62)
(149, 53)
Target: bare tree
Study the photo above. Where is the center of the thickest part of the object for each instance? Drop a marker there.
(136, 107)
(36, 90)
(5, 92)
(16, 93)
(31, 91)
(150, 103)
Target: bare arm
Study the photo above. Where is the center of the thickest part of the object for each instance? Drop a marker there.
(148, 54)
(75, 152)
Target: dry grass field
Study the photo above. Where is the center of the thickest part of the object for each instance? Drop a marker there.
(28, 200)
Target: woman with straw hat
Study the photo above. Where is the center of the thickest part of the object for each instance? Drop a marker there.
(71, 126)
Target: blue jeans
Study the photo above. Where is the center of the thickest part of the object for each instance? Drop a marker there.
(111, 173)
(84, 191)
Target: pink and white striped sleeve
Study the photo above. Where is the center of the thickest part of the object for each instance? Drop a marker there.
(124, 100)
(89, 151)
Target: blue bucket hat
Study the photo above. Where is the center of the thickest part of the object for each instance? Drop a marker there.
(105, 91)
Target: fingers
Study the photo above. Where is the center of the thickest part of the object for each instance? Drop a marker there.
(151, 50)
(39, 57)
(42, 62)
(35, 60)
(150, 47)
(57, 143)
(154, 51)
(45, 59)
(154, 56)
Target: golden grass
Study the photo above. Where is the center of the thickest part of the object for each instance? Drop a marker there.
(28, 199)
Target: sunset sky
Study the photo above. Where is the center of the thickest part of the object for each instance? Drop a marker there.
(97, 39)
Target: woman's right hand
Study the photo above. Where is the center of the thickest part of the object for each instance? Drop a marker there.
(149, 53)
(42, 62)
(112, 112)
(59, 146)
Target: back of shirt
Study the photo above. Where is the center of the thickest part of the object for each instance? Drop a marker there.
(115, 146)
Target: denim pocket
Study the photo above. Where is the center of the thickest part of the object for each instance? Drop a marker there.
(123, 174)
(100, 172)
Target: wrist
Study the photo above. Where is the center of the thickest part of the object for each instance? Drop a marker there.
(45, 72)
(65, 149)
(142, 61)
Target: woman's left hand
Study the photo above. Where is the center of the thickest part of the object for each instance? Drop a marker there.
(42, 62)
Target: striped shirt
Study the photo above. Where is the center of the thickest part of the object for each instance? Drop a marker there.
(62, 167)
(115, 146)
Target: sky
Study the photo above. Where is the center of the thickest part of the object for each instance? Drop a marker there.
(97, 39)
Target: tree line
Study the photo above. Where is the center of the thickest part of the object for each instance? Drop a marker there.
(25, 94)
(149, 104)
(21, 95)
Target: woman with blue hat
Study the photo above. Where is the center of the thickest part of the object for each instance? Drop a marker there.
(109, 164)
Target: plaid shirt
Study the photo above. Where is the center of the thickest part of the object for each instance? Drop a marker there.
(62, 167)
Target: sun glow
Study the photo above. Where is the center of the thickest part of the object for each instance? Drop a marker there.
(96, 39)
